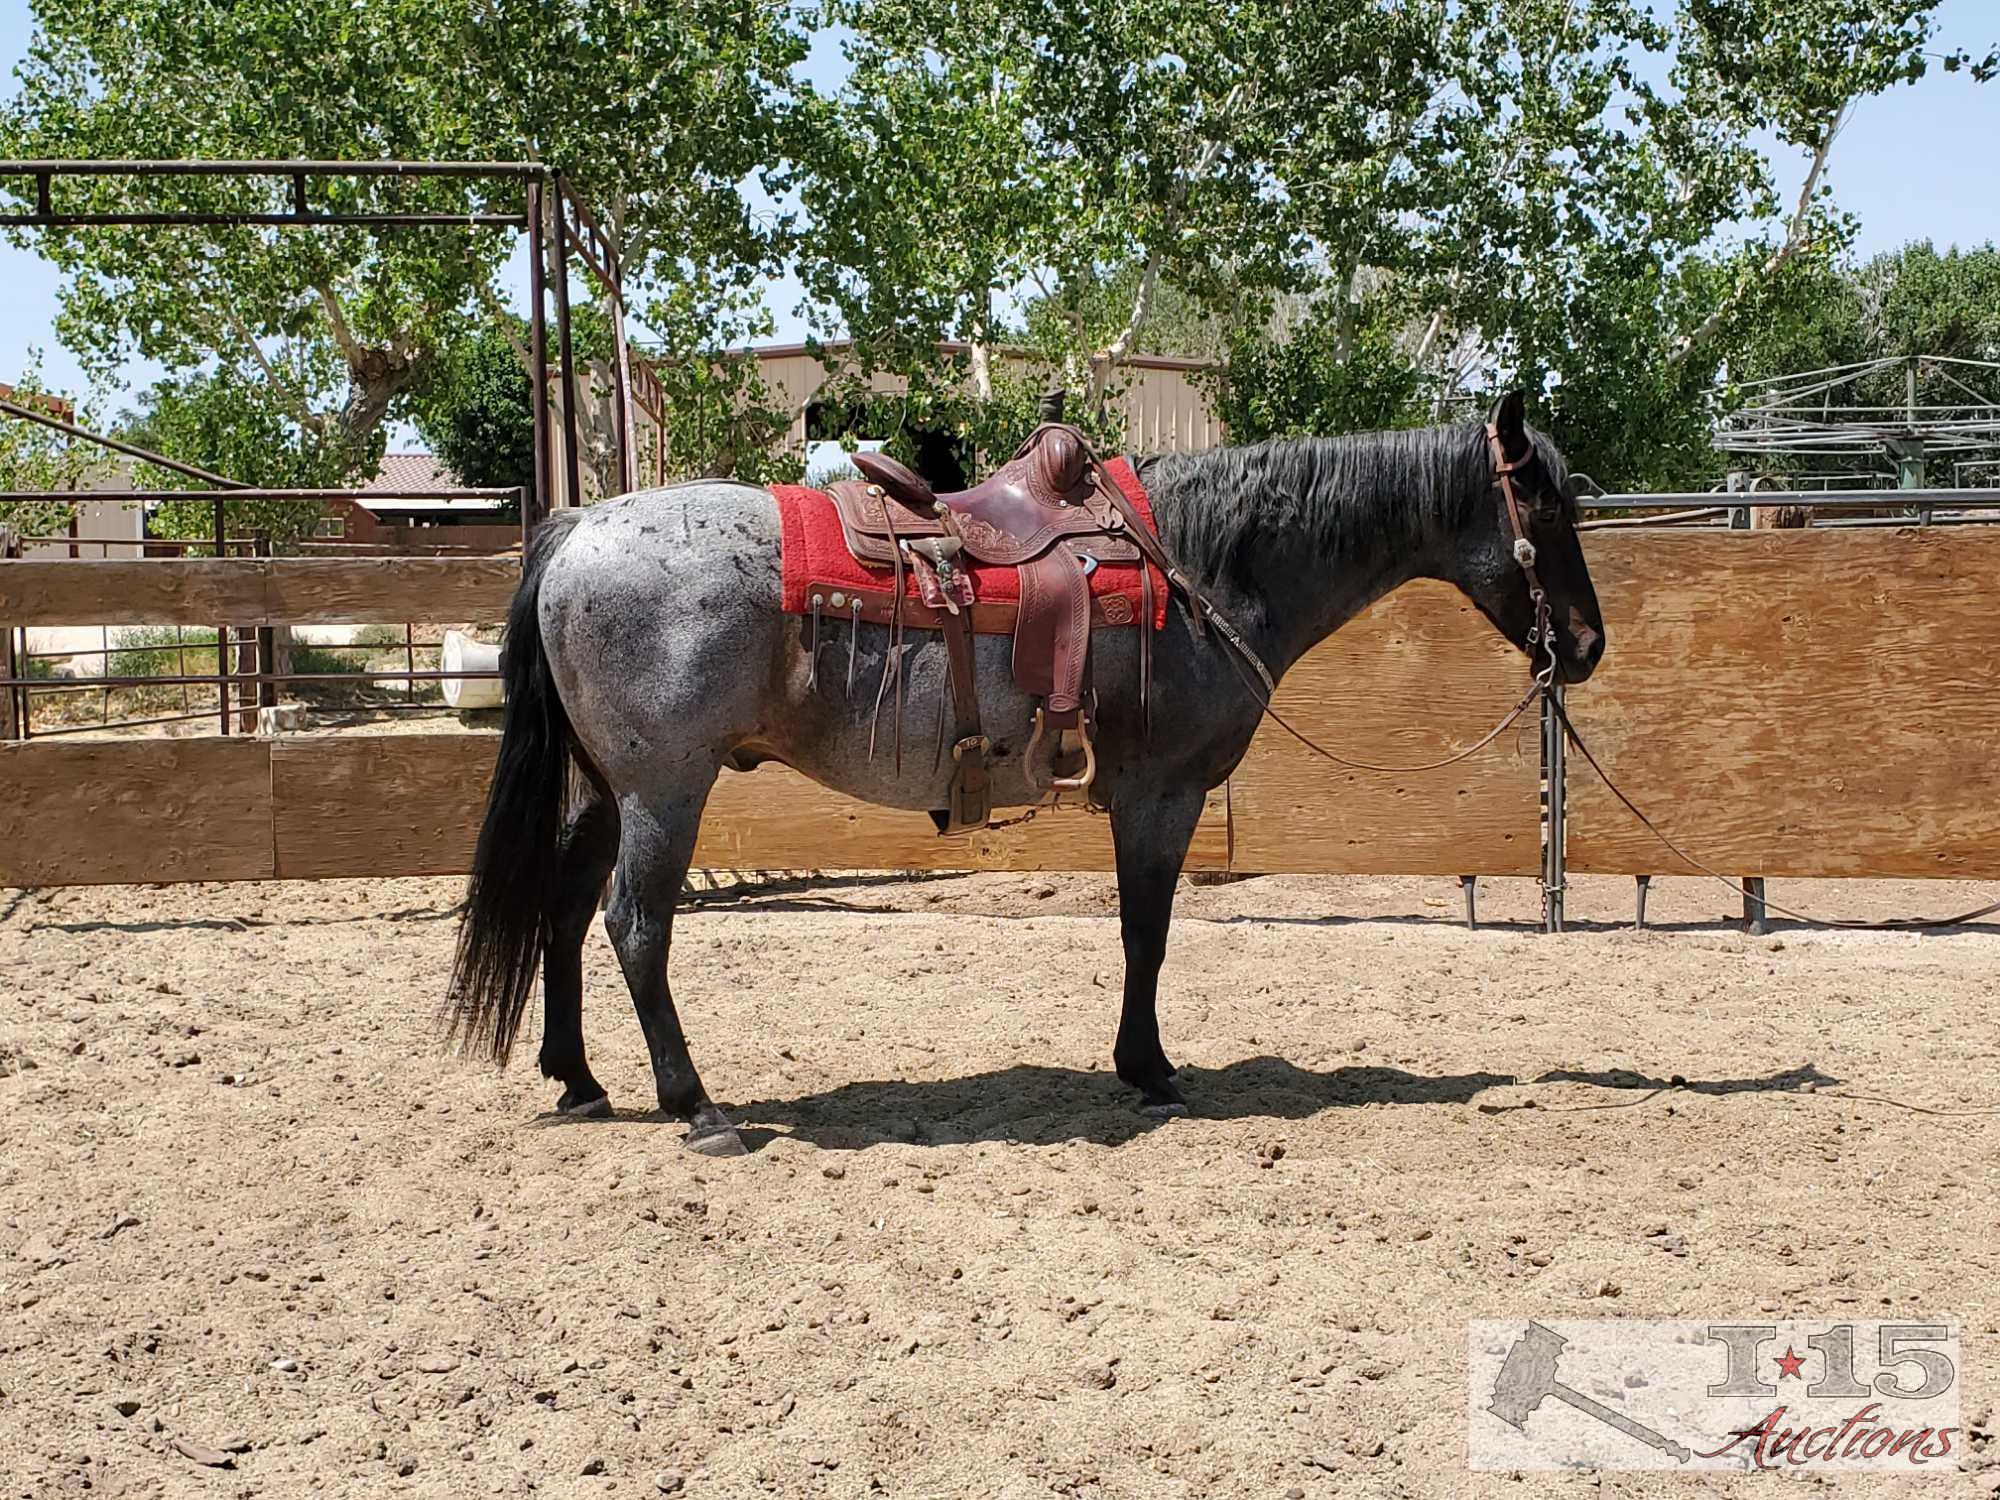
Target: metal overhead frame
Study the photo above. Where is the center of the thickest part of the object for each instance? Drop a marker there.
(1805, 415)
(535, 180)
(538, 206)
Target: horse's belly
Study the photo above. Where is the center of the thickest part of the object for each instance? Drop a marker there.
(862, 741)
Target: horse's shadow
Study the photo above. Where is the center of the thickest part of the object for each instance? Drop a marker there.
(1036, 1105)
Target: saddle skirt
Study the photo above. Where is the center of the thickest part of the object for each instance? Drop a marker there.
(1041, 550)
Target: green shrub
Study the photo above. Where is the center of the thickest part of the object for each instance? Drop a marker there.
(317, 660)
(159, 651)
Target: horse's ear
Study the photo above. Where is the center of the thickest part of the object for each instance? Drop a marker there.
(1509, 419)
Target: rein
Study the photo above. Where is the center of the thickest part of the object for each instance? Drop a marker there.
(1541, 641)
(1541, 637)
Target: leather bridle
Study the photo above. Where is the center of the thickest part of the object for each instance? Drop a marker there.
(1541, 635)
(1540, 642)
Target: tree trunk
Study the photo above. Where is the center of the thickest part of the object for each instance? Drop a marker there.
(374, 381)
(982, 353)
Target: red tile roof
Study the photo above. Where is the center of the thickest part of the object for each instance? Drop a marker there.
(411, 474)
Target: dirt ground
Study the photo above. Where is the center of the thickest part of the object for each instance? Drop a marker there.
(247, 1207)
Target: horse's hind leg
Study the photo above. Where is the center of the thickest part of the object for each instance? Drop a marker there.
(584, 859)
(657, 844)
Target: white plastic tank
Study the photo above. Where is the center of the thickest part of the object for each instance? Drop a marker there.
(462, 653)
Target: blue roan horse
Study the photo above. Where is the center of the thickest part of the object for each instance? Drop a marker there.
(647, 650)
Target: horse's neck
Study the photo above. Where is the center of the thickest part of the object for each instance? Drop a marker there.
(1284, 590)
(1302, 609)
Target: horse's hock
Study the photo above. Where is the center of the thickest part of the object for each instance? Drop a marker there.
(1792, 703)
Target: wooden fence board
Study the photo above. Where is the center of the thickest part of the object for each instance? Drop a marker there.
(1795, 703)
(97, 812)
(368, 590)
(149, 591)
(411, 805)
(1418, 677)
(254, 591)
(1785, 703)
(368, 805)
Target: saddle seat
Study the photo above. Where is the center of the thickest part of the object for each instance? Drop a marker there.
(1047, 491)
(1049, 513)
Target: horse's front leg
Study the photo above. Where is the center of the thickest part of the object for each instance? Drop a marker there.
(1150, 832)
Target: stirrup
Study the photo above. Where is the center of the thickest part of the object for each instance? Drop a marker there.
(1073, 740)
(1070, 741)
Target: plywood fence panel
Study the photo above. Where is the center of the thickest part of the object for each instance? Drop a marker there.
(775, 819)
(1418, 677)
(110, 811)
(1795, 703)
(251, 591)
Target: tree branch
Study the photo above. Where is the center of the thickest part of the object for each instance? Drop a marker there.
(1796, 238)
(343, 336)
(309, 419)
(1102, 363)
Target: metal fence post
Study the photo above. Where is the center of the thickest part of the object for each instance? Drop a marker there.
(222, 630)
(538, 506)
(1756, 919)
(267, 647)
(1553, 792)
(13, 701)
(572, 417)
(1739, 515)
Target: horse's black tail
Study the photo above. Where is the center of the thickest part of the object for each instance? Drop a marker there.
(501, 933)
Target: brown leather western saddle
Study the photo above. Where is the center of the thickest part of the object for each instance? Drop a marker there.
(1050, 513)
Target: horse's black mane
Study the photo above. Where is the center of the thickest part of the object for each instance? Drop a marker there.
(1344, 497)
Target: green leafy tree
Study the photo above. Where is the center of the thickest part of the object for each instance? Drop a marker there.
(477, 413)
(1526, 192)
(1324, 376)
(656, 113)
(34, 457)
(224, 421)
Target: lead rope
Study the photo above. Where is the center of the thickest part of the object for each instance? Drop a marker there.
(1885, 924)
(1537, 687)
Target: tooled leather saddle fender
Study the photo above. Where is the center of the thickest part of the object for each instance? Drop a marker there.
(1051, 513)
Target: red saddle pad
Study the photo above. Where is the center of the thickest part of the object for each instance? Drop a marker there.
(816, 556)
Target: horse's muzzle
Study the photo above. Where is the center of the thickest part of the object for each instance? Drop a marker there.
(1581, 652)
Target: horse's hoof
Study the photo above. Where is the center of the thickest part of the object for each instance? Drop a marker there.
(585, 1109)
(717, 1140)
(1164, 1111)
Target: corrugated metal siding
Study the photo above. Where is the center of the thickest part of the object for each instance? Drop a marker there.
(1165, 410)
